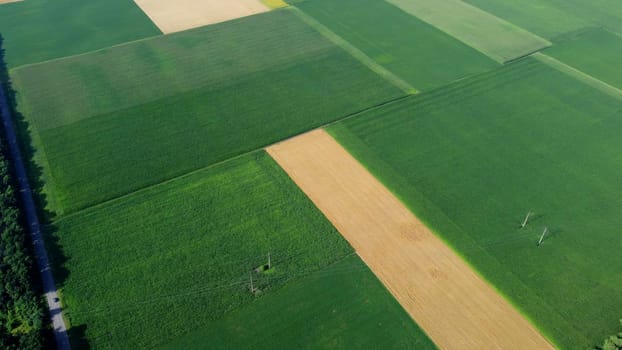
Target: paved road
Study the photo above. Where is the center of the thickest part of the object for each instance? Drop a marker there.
(43, 264)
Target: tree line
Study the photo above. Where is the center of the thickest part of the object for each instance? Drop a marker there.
(614, 342)
(21, 308)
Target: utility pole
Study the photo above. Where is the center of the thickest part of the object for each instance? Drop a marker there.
(269, 262)
(546, 229)
(250, 274)
(526, 219)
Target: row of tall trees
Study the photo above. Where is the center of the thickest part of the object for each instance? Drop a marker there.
(21, 310)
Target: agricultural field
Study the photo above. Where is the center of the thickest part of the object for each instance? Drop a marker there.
(123, 118)
(540, 17)
(471, 159)
(413, 263)
(355, 312)
(40, 30)
(413, 50)
(178, 215)
(498, 39)
(578, 52)
(555, 19)
(605, 13)
(181, 254)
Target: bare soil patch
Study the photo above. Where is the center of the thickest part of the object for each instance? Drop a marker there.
(8, 1)
(454, 305)
(174, 16)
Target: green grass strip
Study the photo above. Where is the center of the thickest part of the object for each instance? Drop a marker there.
(581, 76)
(494, 37)
(356, 53)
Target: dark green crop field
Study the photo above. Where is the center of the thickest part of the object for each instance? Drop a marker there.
(597, 52)
(341, 307)
(123, 118)
(415, 51)
(471, 159)
(39, 30)
(176, 258)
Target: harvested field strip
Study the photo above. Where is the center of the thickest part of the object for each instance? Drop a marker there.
(586, 78)
(471, 159)
(415, 51)
(179, 15)
(491, 35)
(356, 53)
(426, 277)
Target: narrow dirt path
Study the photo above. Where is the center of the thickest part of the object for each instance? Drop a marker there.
(455, 307)
(43, 264)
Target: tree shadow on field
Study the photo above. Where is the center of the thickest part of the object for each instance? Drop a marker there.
(77, 334)
(35, 179)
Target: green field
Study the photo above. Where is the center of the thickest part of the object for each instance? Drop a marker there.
(158, 202)
(117, 120)
(606, 13)
(540, 17)
(579, 53)
(500, 40)
(401, 43)
(341, 307)
(39, 30)
(471, 159)
(149, 268)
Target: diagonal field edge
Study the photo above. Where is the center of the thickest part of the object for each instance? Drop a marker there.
(473, 26)
(454, 305)
(190, 173)
(579, 75)
(354, 52)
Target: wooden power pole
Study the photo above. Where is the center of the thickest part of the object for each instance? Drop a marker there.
(526, 219)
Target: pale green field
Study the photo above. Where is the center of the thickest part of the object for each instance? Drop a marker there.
(579, 52)
(537, 16)
(498, 39)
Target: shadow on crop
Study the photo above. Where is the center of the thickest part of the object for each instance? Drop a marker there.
(35, 176)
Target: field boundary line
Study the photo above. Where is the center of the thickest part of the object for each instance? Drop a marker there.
(153, 37)
(579, 75)
(354, 52)
(493, 53)
(50, 291)
(89, 52)
(62, 217)
(40, 158)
